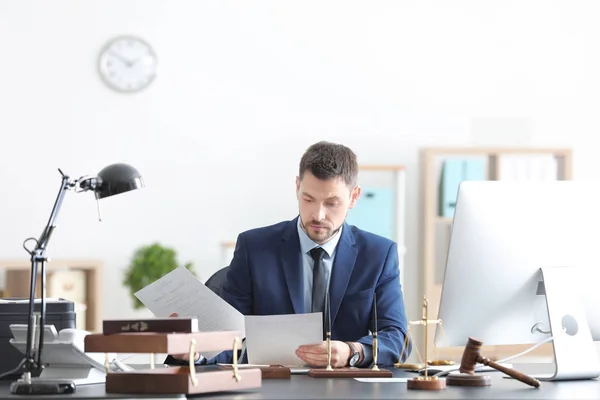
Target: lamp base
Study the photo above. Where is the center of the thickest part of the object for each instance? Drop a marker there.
(41, 387)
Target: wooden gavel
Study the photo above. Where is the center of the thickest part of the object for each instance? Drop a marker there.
(472, 356)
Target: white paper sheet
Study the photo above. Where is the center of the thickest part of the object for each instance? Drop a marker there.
(181, 292)
(293, 370)
(273, 339)
(382, 380)
(35, 301)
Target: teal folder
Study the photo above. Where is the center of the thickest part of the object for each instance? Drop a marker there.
(374, 211)
(454, 171)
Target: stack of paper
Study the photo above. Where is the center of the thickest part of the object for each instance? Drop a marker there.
(270, 339)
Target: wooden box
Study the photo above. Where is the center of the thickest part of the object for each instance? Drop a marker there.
(174, 380)
(178, 380)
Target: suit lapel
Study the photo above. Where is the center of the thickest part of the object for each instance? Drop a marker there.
(291, 263)
(343, 265)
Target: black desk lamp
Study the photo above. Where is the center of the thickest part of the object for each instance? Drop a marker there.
(114, 179)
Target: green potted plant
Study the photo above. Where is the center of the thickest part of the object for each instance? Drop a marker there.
(149, 263)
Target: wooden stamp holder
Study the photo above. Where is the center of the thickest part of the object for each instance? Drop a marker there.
(173, 380)
(267, 372)
(350, 372)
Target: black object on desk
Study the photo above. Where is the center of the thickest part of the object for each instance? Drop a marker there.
(60, 313)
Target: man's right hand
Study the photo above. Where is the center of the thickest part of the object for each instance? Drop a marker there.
(184, 356)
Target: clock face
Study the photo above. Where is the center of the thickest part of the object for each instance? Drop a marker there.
(127, 64)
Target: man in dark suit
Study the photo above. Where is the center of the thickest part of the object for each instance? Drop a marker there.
(288, 267)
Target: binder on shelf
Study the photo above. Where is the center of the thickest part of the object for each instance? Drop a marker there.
(454, 171)
(374, 211)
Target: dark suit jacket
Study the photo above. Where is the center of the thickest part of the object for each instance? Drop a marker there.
(265, 278)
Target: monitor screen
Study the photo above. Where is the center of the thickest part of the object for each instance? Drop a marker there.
(503, 234)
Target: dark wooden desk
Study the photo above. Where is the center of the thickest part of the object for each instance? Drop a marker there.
(304, 387)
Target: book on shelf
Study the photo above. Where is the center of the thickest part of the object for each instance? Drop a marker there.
(537, 167)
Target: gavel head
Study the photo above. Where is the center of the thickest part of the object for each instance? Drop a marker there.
(470, 356)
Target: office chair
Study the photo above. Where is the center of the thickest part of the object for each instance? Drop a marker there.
(217, 280)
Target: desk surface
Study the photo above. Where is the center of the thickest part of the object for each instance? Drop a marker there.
(304, 387)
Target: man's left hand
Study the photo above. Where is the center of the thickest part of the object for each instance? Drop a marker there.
(316, 354)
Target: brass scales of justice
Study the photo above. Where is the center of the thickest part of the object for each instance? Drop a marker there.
(424, 382)
(408, 340)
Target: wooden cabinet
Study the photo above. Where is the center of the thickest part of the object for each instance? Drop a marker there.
(79, 281)
(381, 206)
(439, 165)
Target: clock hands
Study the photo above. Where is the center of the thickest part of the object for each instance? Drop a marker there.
(129, 63)
(121, 58)
(146, 58)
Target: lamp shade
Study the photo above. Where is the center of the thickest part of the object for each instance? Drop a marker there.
(118, 178)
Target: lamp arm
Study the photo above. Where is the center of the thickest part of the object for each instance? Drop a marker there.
(38, 256)
(119, 178)
(65, 185)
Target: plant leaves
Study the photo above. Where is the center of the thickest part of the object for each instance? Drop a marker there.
(148, 264)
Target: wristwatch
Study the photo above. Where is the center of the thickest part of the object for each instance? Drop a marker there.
(354, 354)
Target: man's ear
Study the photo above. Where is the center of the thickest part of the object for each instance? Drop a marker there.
(354, 196)
(297, 185)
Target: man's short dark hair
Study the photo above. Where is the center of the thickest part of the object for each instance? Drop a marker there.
(326, 160)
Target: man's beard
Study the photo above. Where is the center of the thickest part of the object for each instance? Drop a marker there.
(327, 233)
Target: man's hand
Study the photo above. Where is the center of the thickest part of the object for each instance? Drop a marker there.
(316, 354)
(184, 356)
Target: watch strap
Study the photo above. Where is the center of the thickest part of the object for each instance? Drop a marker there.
(353, 352)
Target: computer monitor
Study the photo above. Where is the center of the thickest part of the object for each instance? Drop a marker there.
(524, 259)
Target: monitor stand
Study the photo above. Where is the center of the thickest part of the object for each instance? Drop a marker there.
(575, 354)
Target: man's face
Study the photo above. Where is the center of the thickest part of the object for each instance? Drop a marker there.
(323, 205)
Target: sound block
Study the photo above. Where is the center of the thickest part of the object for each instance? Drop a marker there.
(349, 372)
(429, 383)
(409, 366)
(468, 380)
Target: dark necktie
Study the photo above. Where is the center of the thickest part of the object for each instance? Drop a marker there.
(319, 280)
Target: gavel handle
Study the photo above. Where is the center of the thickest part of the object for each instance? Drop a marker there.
(510, 372)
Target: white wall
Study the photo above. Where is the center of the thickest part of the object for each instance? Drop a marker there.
(244, 87)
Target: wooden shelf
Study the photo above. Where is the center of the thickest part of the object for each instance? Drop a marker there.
(436, 229)
(558, 151)
(79, 281)
(382, 167)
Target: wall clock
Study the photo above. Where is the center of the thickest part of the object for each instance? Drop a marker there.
(127, 64)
